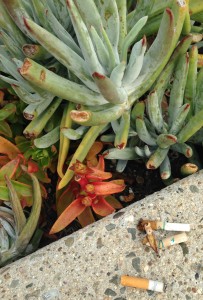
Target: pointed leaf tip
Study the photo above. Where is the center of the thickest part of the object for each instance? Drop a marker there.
(98, 75)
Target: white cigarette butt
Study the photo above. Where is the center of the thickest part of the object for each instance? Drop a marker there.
(173, 226)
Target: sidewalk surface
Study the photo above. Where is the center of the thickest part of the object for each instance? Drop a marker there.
(89, 263)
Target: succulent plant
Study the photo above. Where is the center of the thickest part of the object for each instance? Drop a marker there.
(92, 42)
(87, 190)
(17, 231)
(164, 125)
(155, 10)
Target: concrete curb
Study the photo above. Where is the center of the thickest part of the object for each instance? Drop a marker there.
(88, 264)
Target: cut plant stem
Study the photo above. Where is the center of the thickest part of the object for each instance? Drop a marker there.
(188, 169)
(94, 118)
(37, 125)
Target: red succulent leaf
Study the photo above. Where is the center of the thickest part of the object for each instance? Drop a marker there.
(102, 207)
(67, 197)
(98, 174)
(68, 215)
(108, 188)
(98, 171)
(101, 163)
(32, 167)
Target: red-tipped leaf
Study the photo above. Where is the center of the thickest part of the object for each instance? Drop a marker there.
(68, 215)
(108, 188)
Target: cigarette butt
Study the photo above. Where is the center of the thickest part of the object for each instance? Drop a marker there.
(169, 241)
(173, 240)
(173, 226)
(163, 225)
(142, 283)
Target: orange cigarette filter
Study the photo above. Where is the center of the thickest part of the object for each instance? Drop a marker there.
(142, 283)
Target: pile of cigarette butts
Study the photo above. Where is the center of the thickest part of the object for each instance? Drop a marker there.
(150, 240)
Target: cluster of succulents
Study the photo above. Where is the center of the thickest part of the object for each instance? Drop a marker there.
(165, 123)
(121, 70)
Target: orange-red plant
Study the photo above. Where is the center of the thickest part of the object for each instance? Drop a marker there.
(88, 189)
(11, 160)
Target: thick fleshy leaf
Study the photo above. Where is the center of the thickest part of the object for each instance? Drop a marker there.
(67, 197)
(99, 175)
(9, 169)
(28, 230)
(86, 217)
(20, 219)
(68, 215)
(91, 156)
(107, 188)
(101, 207)
(6, 147)
(101, 164)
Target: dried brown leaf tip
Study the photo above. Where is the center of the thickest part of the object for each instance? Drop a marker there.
(150, 238)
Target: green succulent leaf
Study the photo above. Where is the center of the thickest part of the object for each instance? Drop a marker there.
(121, 154)
(20, 219)
(166, 140)
(157, 158)
(178, 88)
(154, 111)
(48, 139)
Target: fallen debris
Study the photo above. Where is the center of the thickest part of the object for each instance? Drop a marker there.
(150, 238)
(155, 225)
(142, 283)
(169, 241)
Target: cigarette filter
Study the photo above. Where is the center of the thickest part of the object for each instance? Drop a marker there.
(142, 283)
(173, 240)
(169, 241)
(173, 226)
(155, 225)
